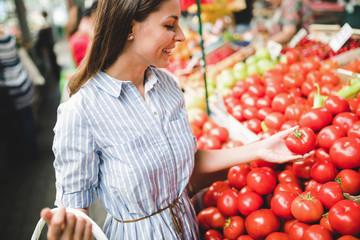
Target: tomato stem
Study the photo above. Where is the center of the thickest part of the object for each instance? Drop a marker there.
(297, 133)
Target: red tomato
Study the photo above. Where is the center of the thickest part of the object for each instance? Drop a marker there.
(237, 175)
(316, 118)
(227, 202)
(329, 78)
(301, 140)
(274, 120)
(268, 133)
(237, 91)
(281, 204)
(310, 64)
(281, 67)
(234, 227)
(294, 111)
(253, 80)
(278, 236)
(322, 154)
(348, 237)
(292, 56)
(249, 202)
(261, 223)
(250, 112)
(288, 224)
(196, 131)
(313, 76)
(210, 217)
(208, 125)
(212, 194)
(231, 143)
(328, 135)
(212, 234)
(353, 104)
(288, 175)
(272, 90)
(293, 79)
(289, 124)
(263, 112)
(257, 90)
(317, 232)
(220, 133)
(344, 217)
(199, 119)
(345, 120)
(297, 229)
(288, 187)
(307, 87)
(336, 104)
(328, 65)
(263, 102)
(253, 125)
(330, 193)
(248, 100)
(261, 180)
(302, 169)
(345, 152)
(207, 141)
(354, 130)
(307, 208)
(313, 187)
(298, 68)
(324, 221)
(281, 101)
(244, 237)
(349, 180)
(323, 171)
(245, 190)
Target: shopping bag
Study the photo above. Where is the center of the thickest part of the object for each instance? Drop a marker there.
(96, 230)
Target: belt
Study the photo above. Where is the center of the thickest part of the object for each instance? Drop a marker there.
(175, 210)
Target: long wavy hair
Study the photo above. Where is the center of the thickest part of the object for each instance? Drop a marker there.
(112, 26)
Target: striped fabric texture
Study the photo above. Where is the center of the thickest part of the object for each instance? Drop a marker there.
(136, 156)
(14, 79)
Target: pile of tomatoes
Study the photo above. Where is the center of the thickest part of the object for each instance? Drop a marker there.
(313, 199)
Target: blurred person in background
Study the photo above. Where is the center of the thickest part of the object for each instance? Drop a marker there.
(17, 125)
(289, 17)
(243, 18)
(44, 46)
(80, 40)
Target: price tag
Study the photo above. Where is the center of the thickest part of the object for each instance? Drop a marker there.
(274, 49)
(341, 37)
(298, 36)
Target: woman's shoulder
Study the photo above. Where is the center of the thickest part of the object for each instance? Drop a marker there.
(164, 75)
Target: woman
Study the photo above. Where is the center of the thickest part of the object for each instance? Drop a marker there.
(124, 132)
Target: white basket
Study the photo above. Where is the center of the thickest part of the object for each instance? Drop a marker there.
(96, 230)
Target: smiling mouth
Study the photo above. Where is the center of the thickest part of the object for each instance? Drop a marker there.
(168, 51)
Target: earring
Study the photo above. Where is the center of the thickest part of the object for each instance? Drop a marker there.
(131, 37)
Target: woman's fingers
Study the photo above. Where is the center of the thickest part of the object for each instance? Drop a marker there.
(57, 224)
(70, 226)
(286, 132)
(88, 231)
(46, 214)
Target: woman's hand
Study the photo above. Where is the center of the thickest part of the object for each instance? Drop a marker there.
(273, 149)
(62, 225)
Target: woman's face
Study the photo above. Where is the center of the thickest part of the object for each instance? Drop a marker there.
(275, 3)
(156, 37)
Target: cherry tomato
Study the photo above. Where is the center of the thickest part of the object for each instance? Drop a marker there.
(297, 229)
(344, 217)
(281, 204)
(301, 140)
(227, 202)
(316, 118)
(307, 208)
(212, 194)
(336, 104)
(261, 180)
(317, 232)
(213, 234)
(328, 135)
(330, 193)
(349, 181)
(261, 223)
(345, 120)
(234, 227)
(237, 175)
(249, 202)
(323, 171)
(345, 152)
(302, 168)
(278, 236)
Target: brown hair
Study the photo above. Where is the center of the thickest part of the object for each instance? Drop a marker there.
(112, 27)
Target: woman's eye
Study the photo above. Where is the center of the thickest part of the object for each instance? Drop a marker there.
(170, 27)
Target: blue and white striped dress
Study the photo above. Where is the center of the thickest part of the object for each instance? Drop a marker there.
(137, 155)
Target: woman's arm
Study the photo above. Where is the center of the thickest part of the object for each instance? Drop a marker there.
(272, 149)
(285, 35)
